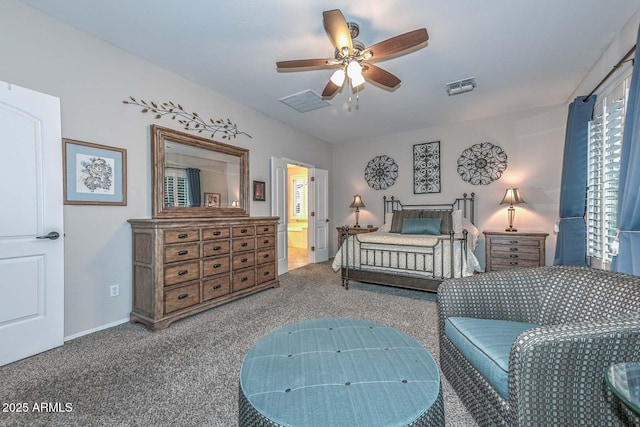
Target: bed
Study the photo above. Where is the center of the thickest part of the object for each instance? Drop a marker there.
(418, 246)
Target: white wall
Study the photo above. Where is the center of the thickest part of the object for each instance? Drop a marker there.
(533, 141)
(91, 78)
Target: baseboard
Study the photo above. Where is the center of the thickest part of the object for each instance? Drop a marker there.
(99, 328)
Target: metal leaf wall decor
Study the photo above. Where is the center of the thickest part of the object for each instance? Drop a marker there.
(481, 164)
(381, 172)
(426, 168)
(191, 121)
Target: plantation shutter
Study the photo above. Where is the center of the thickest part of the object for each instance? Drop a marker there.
(175, 188)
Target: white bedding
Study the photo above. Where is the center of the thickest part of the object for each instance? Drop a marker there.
(409, 253)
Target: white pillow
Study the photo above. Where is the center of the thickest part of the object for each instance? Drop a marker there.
(456, 218)
(388, 218)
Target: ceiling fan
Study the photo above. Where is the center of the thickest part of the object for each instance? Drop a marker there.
(352, 59)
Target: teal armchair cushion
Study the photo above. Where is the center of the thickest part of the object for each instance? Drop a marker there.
(486, 344)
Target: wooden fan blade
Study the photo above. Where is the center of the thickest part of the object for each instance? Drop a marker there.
(330, 89)
(305, 63)
(398, 44)
(380, 76)
(337, 28)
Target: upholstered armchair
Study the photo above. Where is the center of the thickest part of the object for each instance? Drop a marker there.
(529, 347)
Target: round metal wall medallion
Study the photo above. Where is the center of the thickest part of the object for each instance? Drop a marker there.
(481, 164)
(381, 172)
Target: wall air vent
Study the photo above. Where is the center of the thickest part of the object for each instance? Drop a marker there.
(461, 86)
(305, 101)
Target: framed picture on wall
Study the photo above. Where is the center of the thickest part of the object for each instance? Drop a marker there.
(94, 174)
(211, 200)
(259, 191)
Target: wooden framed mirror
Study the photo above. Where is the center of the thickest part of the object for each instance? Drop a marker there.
(194, 177)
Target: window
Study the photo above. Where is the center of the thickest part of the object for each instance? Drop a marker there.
(299, 206)
(603, 173)
(175, 188)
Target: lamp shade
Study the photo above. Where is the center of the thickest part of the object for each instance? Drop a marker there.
(357, 202)
(338, 77)
(512, 197)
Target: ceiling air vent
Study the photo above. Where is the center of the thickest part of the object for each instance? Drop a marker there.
(461, 86)
(305, 101)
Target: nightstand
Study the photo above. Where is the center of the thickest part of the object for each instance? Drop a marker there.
(505, 250)
(354, 230)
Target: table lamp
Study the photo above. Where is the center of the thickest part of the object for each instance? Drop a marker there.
(357, 203)
(512, 197)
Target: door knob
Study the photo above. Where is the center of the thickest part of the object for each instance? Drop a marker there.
(51, 236)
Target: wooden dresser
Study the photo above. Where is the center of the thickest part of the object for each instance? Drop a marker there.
(505, 250)
(184, 266)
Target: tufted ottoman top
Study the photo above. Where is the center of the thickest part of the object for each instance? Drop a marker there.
(335, 371)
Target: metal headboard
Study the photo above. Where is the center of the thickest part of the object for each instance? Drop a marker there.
(465, 203)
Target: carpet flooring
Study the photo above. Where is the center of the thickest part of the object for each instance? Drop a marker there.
(187, 374)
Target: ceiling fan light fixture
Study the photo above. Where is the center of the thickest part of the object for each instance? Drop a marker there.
(354, 69)
(357, 80)
(338, 77)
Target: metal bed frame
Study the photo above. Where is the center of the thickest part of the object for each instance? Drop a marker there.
(403, 277)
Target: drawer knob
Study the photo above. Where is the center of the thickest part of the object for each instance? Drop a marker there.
(216, 233)
(265, 256)
(266, 273)
(513, 263)
(218, 265)
(183, 236)
(244, 260)
(244, 244)
(513, 256)
(183, 296)
(217, 287)
(217, 248)
(513, 249)
(244, 230)
(244, 279)
(266, 229)
(182, 272)
(183, 253)
(514, 242)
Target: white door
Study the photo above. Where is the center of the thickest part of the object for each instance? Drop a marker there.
(279, 209)
(319, 220)
(31, 261)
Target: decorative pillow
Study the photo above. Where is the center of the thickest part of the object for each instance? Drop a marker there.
(446, 223)
(388, 219)
(456, 218)
(399, 216)
(421, 226)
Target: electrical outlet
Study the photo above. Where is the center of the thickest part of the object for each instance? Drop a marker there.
(115, 290)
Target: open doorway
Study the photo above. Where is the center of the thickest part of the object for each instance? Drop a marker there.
(297, 216)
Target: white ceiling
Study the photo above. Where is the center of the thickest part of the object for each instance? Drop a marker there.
(523, 53)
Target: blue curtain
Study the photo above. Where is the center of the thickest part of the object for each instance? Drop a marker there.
(193, 179)
(571, 246)
(629, 187)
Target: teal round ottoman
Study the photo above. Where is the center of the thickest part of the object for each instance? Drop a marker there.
(339, 372)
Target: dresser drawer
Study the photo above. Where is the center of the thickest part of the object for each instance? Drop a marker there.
(216, 287)
(181, 273)
(248, 244)
(244, 279)
(265, 229)
(265, 242)
(244, 260)
(175, 253)
(216, 233)
(502, 264)
(215, 265)
(243, 230)
(266, 255)
(181, 236)
(266, 273)
(515, 241)
(218, 247)
(526, 252)
(183, 297)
